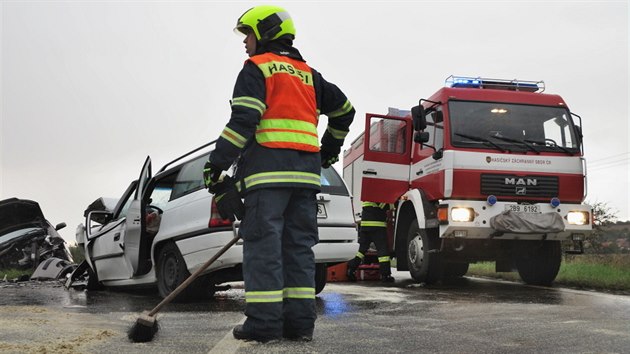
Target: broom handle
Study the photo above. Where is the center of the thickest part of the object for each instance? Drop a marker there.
(193, 276)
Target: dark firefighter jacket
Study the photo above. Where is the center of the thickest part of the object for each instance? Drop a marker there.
(374, 215)
(261, 166)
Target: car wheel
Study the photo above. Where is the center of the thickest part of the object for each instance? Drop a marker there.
(540, 265)
(171, 271)
(424, 266)
(321, 273)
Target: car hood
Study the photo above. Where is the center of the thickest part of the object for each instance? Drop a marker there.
(16, 214)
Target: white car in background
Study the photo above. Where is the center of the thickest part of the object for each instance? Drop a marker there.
(124, 247)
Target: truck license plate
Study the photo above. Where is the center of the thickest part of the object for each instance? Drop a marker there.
(523, 208)
(321, 211)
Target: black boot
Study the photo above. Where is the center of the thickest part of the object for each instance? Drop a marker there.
(350, 274)
(240, 333)
(353, 264)
(387, 278)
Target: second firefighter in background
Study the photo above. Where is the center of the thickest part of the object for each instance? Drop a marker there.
(373, 229)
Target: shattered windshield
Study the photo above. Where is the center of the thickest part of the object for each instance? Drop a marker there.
(513, 127)
(11, 235)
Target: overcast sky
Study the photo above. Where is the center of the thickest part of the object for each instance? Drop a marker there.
(90, 88)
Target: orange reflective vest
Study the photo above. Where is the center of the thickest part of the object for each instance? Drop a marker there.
(290, 120)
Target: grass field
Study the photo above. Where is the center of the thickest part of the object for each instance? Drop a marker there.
(11, 274)
(600, 272)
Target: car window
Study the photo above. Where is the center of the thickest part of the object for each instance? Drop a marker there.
(122, 212)
(332, 182)
(190, 177)
(160, 196)
(17, 233)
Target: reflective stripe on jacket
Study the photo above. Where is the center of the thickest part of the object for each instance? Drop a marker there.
(290, 120)
(374, 214)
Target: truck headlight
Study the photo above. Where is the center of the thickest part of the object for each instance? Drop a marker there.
(462, 214)
(578, 217)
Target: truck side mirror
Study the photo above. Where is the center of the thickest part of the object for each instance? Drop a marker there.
(419, 118)
(60, 226)
(421, 137)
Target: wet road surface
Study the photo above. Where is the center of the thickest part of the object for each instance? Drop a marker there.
(469, 315)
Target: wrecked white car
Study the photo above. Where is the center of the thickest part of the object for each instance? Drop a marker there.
(164, 227)
(26, 237)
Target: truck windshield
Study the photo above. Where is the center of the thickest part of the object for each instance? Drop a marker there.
(512, 126)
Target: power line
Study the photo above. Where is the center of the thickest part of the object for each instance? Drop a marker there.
(609, 165)
(606, 158)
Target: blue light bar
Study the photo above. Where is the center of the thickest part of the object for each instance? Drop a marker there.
(494, 84)
(460, 82)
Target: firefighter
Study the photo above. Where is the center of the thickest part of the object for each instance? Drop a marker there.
(276, 103)
(373, 229)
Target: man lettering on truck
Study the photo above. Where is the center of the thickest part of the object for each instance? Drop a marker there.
(373, 229)
(275, 107)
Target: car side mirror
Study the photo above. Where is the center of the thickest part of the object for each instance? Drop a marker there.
(60, 226)
(421, 137)
(418, 116)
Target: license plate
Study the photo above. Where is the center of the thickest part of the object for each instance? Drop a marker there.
(523, 208)
(321, 211)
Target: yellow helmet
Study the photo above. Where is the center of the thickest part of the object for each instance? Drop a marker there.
(267, 23)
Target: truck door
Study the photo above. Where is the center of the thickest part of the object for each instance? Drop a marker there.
(136, 218)
(386, 158)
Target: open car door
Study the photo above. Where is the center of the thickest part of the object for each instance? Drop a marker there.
(136, 218)
(386, 158)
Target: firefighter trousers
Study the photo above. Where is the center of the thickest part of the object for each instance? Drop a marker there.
(378, 235)
(278, 231)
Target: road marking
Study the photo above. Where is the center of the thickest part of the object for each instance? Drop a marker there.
(228, 344)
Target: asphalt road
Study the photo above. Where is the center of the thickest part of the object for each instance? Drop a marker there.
(466, 316)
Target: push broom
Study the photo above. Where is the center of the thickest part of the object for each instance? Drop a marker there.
(146, 325)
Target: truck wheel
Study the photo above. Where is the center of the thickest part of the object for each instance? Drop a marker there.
(424, 267)
(171, 271)
(455, 270)
(540, 266)
(321, 273)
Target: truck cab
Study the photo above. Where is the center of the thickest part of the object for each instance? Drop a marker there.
(482, 170)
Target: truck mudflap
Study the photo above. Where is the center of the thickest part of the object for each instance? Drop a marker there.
(527, 223)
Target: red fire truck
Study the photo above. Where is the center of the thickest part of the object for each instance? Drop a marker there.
(483, 170)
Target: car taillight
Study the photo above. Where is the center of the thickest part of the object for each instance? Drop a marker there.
(215, 218)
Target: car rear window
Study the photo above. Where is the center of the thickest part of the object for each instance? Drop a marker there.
(190, 177)
(332, 182)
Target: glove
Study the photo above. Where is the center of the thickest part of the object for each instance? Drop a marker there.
(229, 203)
(329, 156)
(211, 176)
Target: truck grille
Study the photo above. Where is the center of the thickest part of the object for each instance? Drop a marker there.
(520, 186)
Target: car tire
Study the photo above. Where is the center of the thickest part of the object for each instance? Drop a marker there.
(321, 274)
(171, 271)
(424, 266)
(540, 265)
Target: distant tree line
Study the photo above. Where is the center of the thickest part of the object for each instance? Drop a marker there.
(609, 235)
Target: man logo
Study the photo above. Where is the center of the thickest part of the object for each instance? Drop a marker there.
(488, 159)
(516, 181)
(521, 191)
